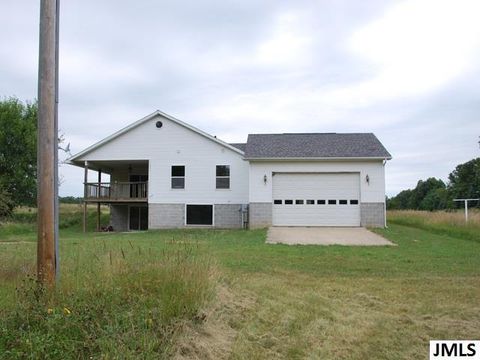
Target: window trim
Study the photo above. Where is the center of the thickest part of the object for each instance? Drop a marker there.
(178, 177)
(199, 225)
(223, 177)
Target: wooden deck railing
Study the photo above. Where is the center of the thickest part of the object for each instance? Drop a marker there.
(116, 191)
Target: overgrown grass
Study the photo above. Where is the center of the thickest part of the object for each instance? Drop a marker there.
(20, 226)
(112, 301)
(440, 222)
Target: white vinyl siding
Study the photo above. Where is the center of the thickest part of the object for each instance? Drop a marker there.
(316, 199)
(174, 144)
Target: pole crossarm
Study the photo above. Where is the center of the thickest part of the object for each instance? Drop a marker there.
(466, 206)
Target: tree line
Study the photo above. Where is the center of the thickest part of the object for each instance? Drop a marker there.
(434, 194)
(18, 155)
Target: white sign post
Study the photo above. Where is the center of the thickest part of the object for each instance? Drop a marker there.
(466, 206)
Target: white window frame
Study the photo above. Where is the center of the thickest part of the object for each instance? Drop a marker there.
(178, 177)
(224, 177)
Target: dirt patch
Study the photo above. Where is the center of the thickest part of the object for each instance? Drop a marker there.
(213, 338)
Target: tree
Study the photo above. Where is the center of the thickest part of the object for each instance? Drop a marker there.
(6, 203)
(436, 199)
(401, 201)
(18, 150)
(465, 180)
(423, 189)
(430, 194)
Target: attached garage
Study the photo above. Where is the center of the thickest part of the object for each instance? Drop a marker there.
(316, 199)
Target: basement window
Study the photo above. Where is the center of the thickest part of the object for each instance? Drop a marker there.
(199, 215)
(178, 177)
(223, 176)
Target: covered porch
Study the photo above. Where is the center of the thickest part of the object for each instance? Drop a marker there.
(119, 182)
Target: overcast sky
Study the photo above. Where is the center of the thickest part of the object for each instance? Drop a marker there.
(409, 71)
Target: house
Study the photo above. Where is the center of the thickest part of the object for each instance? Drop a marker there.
(165, 173)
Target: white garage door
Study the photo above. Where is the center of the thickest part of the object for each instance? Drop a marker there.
(307, 199)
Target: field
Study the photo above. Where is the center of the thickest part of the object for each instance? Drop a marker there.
(226, 294)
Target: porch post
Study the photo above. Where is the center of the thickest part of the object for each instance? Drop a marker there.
(85, 180)
(99, 195)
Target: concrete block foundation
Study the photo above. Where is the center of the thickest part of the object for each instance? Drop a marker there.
(372, 214)
(260, 215)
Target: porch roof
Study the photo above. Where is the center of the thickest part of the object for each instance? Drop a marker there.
(108, 166)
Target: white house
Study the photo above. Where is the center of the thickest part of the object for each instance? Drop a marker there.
(165, 173)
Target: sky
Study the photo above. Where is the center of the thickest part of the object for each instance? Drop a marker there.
(408, 71)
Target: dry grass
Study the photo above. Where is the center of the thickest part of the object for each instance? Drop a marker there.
(453, 218)
(440, 222)
(298, 316)
(213, 338)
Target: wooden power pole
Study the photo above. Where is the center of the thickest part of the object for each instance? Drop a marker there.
(47, 151)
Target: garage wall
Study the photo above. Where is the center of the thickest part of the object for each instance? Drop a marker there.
(374, 192)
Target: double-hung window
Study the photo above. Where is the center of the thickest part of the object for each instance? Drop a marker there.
(178, 177)
(223, 177)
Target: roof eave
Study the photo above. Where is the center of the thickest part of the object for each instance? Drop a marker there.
(317, 158)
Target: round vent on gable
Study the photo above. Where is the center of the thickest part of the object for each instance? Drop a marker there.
(158, 124)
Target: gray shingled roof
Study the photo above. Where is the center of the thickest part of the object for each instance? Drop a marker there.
(240, 146)
(314, 145)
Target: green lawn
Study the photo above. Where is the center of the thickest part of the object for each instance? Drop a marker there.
(280, 301)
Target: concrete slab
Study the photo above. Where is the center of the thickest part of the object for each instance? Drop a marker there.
(356, 236)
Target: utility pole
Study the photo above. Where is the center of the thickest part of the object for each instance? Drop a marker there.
(47, 151)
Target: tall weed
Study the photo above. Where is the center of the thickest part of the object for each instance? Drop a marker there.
(440, 222)
(116, 304)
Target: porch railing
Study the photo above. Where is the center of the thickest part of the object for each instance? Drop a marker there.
(116, 191)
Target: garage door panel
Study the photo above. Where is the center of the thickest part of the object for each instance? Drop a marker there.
(331, 186)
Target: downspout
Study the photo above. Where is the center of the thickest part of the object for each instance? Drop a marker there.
(385, 198)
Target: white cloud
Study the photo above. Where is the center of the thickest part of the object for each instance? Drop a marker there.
(417, 47)
(288, 43)
(84, 68)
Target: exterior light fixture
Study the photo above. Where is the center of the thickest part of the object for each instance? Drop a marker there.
(265, 179)
(367, 179)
